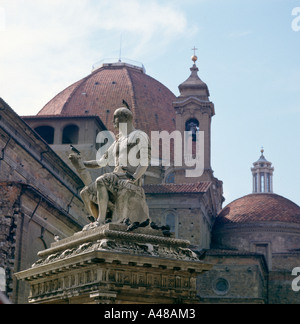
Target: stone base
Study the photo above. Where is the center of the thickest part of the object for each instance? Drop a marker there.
(109, 265)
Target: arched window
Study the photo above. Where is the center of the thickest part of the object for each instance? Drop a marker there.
(70, 135)
(192, 125)
(172, 222)
(170, 178)
(47, 133)
(2, 280)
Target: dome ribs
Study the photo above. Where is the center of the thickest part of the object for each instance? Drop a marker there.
(103, 91)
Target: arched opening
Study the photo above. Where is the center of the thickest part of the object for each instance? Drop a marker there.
(192, 125)
(47, 133)
(170, 179)
(172, 222)
(70, 134)
(2, 280)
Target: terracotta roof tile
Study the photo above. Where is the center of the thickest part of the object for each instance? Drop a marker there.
(260, 208)
(103, 91)
(200, 187)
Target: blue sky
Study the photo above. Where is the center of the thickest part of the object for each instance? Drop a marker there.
(248, 55)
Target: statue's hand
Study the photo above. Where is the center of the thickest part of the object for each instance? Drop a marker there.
(74, 157)
(75, 160)
(132, 181)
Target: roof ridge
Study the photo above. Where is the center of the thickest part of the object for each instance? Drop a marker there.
(200, 187)
(178, 184)
(132, 94)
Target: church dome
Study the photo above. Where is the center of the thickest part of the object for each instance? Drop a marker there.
(262, 223)
(103, 91)
(257, 208)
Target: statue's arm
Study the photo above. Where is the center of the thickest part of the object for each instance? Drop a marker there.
(141, 170)
(92, 164)
(79, 166)
(97, 164)
(103, 161)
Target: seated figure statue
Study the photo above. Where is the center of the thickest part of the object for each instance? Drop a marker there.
(118, 196)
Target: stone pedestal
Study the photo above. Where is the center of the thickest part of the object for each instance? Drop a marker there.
(107, 265)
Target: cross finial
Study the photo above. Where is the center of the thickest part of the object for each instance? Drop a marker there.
(194, 57)
(194, 49)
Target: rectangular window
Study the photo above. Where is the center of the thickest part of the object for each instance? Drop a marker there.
(264, 249)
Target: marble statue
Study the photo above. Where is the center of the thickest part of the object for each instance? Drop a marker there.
(118, 197)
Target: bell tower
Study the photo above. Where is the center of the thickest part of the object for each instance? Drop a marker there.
(194, 112)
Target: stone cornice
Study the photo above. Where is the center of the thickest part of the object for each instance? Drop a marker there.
(278, 227)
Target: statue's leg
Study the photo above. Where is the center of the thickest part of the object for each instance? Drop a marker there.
(103, 199)
(90, 206)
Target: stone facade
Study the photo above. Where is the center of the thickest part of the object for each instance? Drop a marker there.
(236, 278)
(39, 199)
(280, 278)
(188, 214)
